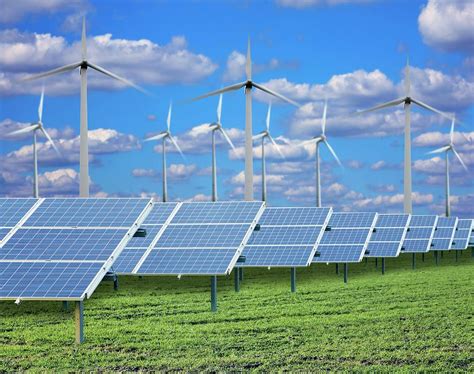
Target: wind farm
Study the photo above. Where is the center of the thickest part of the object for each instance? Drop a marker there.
(151, 230)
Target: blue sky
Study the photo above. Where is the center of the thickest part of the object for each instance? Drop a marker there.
(352, 52)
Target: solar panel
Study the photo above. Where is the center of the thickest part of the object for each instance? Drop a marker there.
(347, 239)
(389, 234)
(287, 237)
(69, 212)
(12, 211)
(420, 234)
(201, 239)
(462, 234)
(444, 234)
(46, 259)
(127, 260)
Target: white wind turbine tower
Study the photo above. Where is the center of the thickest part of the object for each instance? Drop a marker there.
(262, 135)
(321, 139)
(447, 148)
(248, 84)
(84, 64)
(407, 100)
(163, 136)
(217, 127)
(34, 127)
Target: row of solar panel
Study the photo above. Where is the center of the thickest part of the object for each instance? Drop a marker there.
(46, 243)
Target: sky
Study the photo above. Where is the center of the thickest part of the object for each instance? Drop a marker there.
(350, 52)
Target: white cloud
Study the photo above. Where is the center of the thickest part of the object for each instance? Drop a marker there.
(437, 139)
(447, 24)
(142, 61)
(387, 202)
(384, 165)
(235, 67)
(174, 172)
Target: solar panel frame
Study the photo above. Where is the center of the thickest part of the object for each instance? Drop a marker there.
(348, 252)
(420, 244)
(102, 266)
(178, 218)
(444, 234)
(293, 219)
(462, 234)
(390, 230)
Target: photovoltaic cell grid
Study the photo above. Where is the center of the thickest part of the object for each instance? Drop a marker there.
(420, 234)
(138, 246)
(387, 239)
(444, 233)
(287, 237)
(11, 213)
(52, 261)
(202, 239)
(347, 239)
(462, 234)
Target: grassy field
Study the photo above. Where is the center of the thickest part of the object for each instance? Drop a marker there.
(404, 320)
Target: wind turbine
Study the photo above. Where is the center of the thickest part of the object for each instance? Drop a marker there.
(248, 84)
(447, 148)
(84, 64)
(163, 136)
(262, 135)
(34, 127)
(407, 100)
(217, 127)
(317, 140)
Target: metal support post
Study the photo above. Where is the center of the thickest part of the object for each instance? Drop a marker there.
(79, 315)
(237, 279)
(293, 279)
(383, 266)
(345, 272)
(214, 293)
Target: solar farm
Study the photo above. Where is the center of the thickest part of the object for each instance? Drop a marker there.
(65, 249)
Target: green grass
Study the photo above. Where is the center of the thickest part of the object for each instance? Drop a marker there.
(406, 320)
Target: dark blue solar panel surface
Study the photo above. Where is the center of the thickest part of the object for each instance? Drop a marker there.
(387, 239)
(128, 259)
(87, 213)
(294, 216)
(217, 212)
(420, 234)
(139, 242)
(201, 238)
(44, 279)
(462, 234)
(160, 213)
(392, 220)
(381, 249)
(204, 236)
(347, 239)
(274, 235)
(4, 232)
(62, 244)
(13, 210)
(444, 234)
(178, 261)
(287, 237)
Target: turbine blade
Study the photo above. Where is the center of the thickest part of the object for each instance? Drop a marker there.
(115, 76)
(83, 40)
(40, 106)
(276, 146)
(233, 87)
(176, 146)
(430, 108)
(281, 97)
(451, 133)
(24, 130)
(51, 141)
(310, 141)
(407, 79)
(381, 106)
(248, 62)
(226, 137)
(259, 136)
(325, 110)
(168, 120)
(460, 159)
(60, 70)
(219, 109)
(333, 153)
(440, 150)
(268, 116)
(161, 135)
